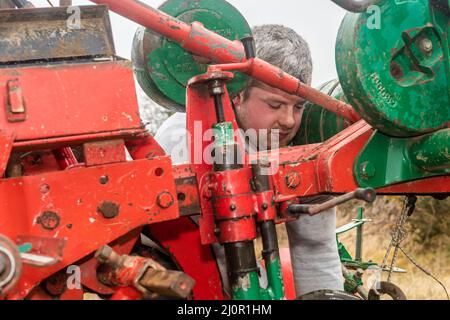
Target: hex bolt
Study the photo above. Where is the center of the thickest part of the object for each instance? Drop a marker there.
(106, 254)
(103, 254)
(426, 45)
(165, 200)
(367, 170)
(216, 87)
(108, 209)
(292, 180)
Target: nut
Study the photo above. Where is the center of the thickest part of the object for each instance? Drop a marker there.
(426, 45)
(108, 209)
(165, 199)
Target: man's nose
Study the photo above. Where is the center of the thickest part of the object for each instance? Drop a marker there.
(286, 118)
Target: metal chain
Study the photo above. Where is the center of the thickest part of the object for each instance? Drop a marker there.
(398, 234)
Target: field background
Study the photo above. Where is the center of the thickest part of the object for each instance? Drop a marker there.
(428, 242)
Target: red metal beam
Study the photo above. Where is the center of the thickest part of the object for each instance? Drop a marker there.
(89, 207)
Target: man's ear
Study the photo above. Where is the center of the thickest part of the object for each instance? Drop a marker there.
(237, 100)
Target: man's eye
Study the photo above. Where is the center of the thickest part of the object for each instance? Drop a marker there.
(299, 106)
(274, 105)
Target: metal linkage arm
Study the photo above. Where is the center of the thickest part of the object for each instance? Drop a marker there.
(355, 5)
(367, 195)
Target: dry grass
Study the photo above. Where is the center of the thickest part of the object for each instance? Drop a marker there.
(434, 255)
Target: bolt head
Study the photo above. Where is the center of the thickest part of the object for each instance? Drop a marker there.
(103, 179)
(165, 200)
(103, 254)
(426, 45)
(108, 209)
(367, 170)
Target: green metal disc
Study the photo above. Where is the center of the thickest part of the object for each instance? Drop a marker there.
(319, 124)
(163, 68)
(394, 67)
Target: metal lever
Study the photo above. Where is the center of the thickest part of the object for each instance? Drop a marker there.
(145, 274)
(367, 195)
(355, 5)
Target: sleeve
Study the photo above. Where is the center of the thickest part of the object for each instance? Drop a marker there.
(172, 137)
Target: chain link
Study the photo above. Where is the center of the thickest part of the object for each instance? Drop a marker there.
(398, 234)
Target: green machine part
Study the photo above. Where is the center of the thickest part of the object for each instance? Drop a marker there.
(394, 67)
(163, 68)
(319, 124)
(387, 160)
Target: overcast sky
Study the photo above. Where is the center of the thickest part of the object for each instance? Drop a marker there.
(317, 21)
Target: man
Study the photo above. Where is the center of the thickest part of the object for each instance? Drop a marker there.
(312, 240)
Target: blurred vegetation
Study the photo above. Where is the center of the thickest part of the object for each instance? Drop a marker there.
(428, 227)
(428, 241)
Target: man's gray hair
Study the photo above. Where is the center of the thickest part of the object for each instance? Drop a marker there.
(284, 48)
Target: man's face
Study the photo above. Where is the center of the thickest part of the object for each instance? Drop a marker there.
(272, 109)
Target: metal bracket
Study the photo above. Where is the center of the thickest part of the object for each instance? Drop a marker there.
(15, 104)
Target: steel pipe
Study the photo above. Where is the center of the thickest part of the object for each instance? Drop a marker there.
(355, 6)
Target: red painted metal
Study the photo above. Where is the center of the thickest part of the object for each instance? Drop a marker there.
(126, 293)
(234, 205)
(66, 95)
(70, 294)
(61, 196)
(125, 274)
(265, 206)
(144, 147)
(288, 275)
(39, 162)
(6, 144)
(104, 152)
(200, 112)
(89, 266)
(197, 261)
(65, 157)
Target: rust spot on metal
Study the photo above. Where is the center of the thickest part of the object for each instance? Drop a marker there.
(49, 220)
(44, 188)
(292, 180)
